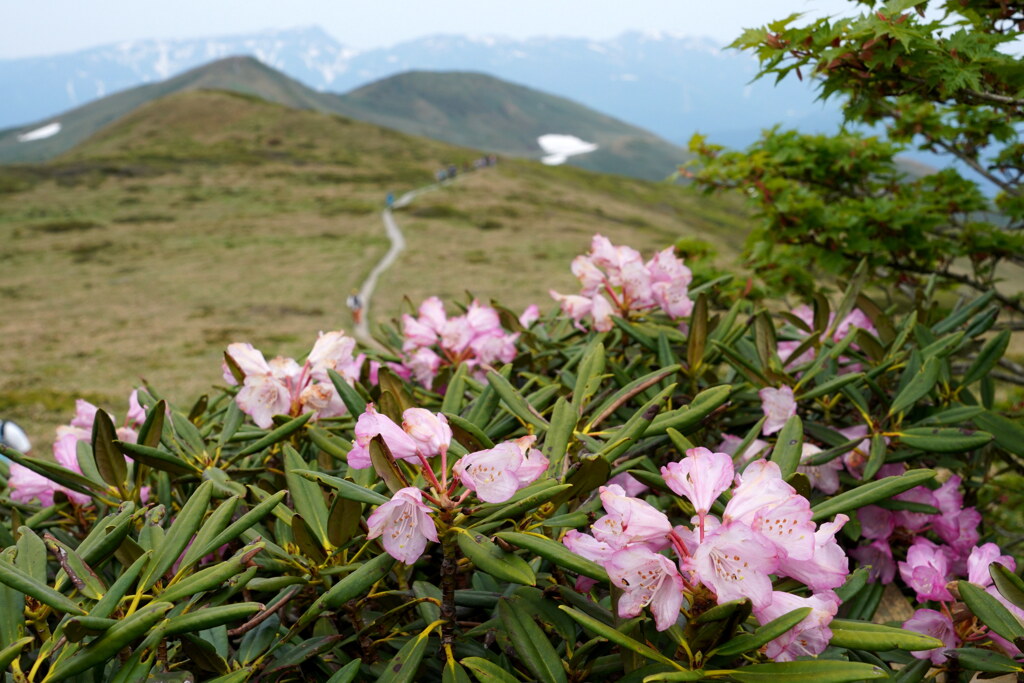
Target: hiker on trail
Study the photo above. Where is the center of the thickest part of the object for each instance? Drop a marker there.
(453, 170)
(355, 304)
(390, 199)
(441, 175)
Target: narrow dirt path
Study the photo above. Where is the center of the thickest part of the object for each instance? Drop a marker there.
(362, 328)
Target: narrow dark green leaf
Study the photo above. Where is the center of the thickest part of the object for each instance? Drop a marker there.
(209, 617)
(530, 643)
(210, 530)
(24, 583)
(488, 557)
(153, 427)
(515, 401)
(307, 496)
(990, 353)
(697, 340)
(468, 434)
(183, 528)
(766, 633)
(876, 457)
(592, 471)
(349, 396)
(1008, 434)
(863, 635)
(555, 552)
(488, 672)
(943, 439)
(243, 523)
(279, 434)
(789, 446)
(404, 666)
(868, 493)
(810, 671)
(384, 465)
(1009, 585)
(109, 460)
(155, 458)
(973, 659)
(608, 632)
(990, 611)
(690, 416)
(920, 384)
(345, 488)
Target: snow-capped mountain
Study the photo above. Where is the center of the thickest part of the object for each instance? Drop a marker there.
(672, 85)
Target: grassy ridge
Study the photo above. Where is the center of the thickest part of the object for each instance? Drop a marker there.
(207, 218)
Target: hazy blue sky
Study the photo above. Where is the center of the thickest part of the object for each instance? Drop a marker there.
(39, 27)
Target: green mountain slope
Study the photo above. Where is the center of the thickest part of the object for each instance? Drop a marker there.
(461, 108)
(236, 74)
(481, 111)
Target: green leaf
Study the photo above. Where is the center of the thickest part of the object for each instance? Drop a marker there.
(698, 675)
(212, 577)
(153, 427)
(1009, 585)
(354, 585)
(535, 495)
(155, 458)
(559, 434)
(588, 375)
(697, 340)
(11, 652)
(918, 387)
(349, 396)
(868, 493)
(555, 552)
(210, 529)
(343, 520)
(384, 465)
(620, 440)
(943, 440)
(811, 671)
(109, 460)
(593, 471)
(184, 527)
(876, 457)
(406, 663)
(612, 635)
(766, 633)
(830, 387)
(515, 401)
(687, 418)
(23, 582)
(209, 617)
(347, 673)
(81, 574)
(328, 443)
(864, 635)
(987, 358)
(345, 488)
(990, 611)
(113, 640)
(77, 628)
(243, 523)
(307, 496)
(279, 434)
(488, 672)
(789, 446)
(530, 643)
(488, 557)
(1008, 434)
(468, 434)
(56, 473)
(985, 660)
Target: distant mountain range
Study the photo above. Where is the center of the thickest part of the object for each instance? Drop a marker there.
(670, 85)
(467, 109)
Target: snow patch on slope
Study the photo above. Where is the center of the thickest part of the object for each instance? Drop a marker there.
(558, 148)
(47, 131)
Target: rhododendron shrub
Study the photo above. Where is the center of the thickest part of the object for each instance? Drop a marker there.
(671, 485)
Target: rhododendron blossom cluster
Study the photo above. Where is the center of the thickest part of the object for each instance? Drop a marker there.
(616, 281)
(27, 485)
(855, 319)
(405, 523)
(283, 387)
(766, 530)
(475, 338)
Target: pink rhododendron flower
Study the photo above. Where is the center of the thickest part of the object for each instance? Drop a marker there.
(630, 484)
(283, 387)
(630, 520)
(587, 546)
(497, 473)
(878, 556)
(730, 444)
(405, 525)
(808, 638)
(701, 477)
(825, 477)
(981, 558)
(761, 485)
(915, 521)
(371, 424)
(788, 525)
(778, 406)
(429, 430)
(828, 567)
(475, 338)
(926, 570)
(876, 523)
(529, 316)
(614, 280)
(647, 578)
(735, 561)
(937, 625)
